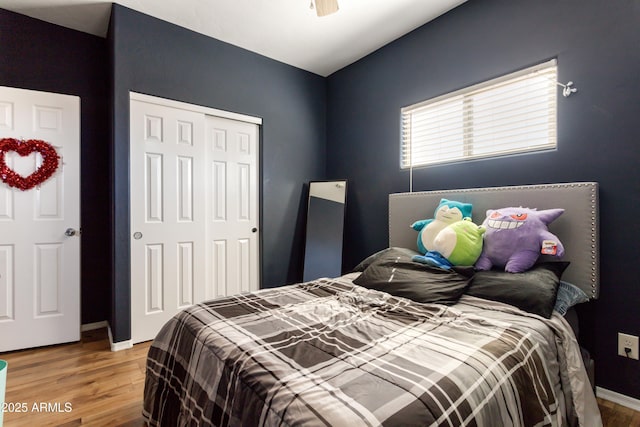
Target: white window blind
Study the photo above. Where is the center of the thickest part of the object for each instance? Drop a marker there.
(511, 114)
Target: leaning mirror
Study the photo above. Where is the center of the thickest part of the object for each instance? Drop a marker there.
(325, 228)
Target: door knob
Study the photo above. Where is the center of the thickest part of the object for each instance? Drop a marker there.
(70, 232)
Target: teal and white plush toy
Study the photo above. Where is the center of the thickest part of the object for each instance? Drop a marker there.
(459, 243)
(447, 212)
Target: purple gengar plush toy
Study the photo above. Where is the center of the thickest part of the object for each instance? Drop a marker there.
(516, 237)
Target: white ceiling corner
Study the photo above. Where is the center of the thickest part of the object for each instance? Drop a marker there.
(284, 30)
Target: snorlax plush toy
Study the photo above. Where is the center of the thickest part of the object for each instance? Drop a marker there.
(459, 243)
(447, 212)
(516, 237)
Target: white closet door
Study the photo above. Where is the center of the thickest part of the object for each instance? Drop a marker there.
(168, 200)
(194, 209)
(233, 174)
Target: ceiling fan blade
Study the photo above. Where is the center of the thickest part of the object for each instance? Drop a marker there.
(326, 7)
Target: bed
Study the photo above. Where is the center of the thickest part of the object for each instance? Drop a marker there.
(353, 351)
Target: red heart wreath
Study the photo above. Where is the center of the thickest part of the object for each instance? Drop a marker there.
(50, 160)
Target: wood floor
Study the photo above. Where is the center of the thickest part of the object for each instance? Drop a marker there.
(103, 388)
(87, 384)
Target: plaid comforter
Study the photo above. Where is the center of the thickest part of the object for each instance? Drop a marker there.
(332, 353)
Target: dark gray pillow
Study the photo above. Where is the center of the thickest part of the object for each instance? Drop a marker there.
(395, 273)
(533, 290)
(387, 251)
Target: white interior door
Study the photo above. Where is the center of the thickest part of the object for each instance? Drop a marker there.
(39, 263)
(193, 210)
(233, 174)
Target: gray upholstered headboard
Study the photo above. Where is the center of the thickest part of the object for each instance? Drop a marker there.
(577, 227)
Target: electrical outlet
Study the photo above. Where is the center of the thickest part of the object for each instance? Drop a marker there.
(628, 341)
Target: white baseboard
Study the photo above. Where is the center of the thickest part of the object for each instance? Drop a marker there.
(94, 326)
(120, 345)
(115, 346)
(618, 398)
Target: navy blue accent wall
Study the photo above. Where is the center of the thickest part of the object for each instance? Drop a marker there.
(154, 57)
(40, 56)
(596, 44)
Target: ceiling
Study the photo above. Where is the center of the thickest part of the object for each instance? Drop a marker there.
(285, 30)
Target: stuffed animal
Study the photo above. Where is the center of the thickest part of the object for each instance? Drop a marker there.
(446, 213)
(459, 243)
(516, 237)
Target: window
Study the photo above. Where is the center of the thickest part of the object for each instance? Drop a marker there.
(511, 114)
